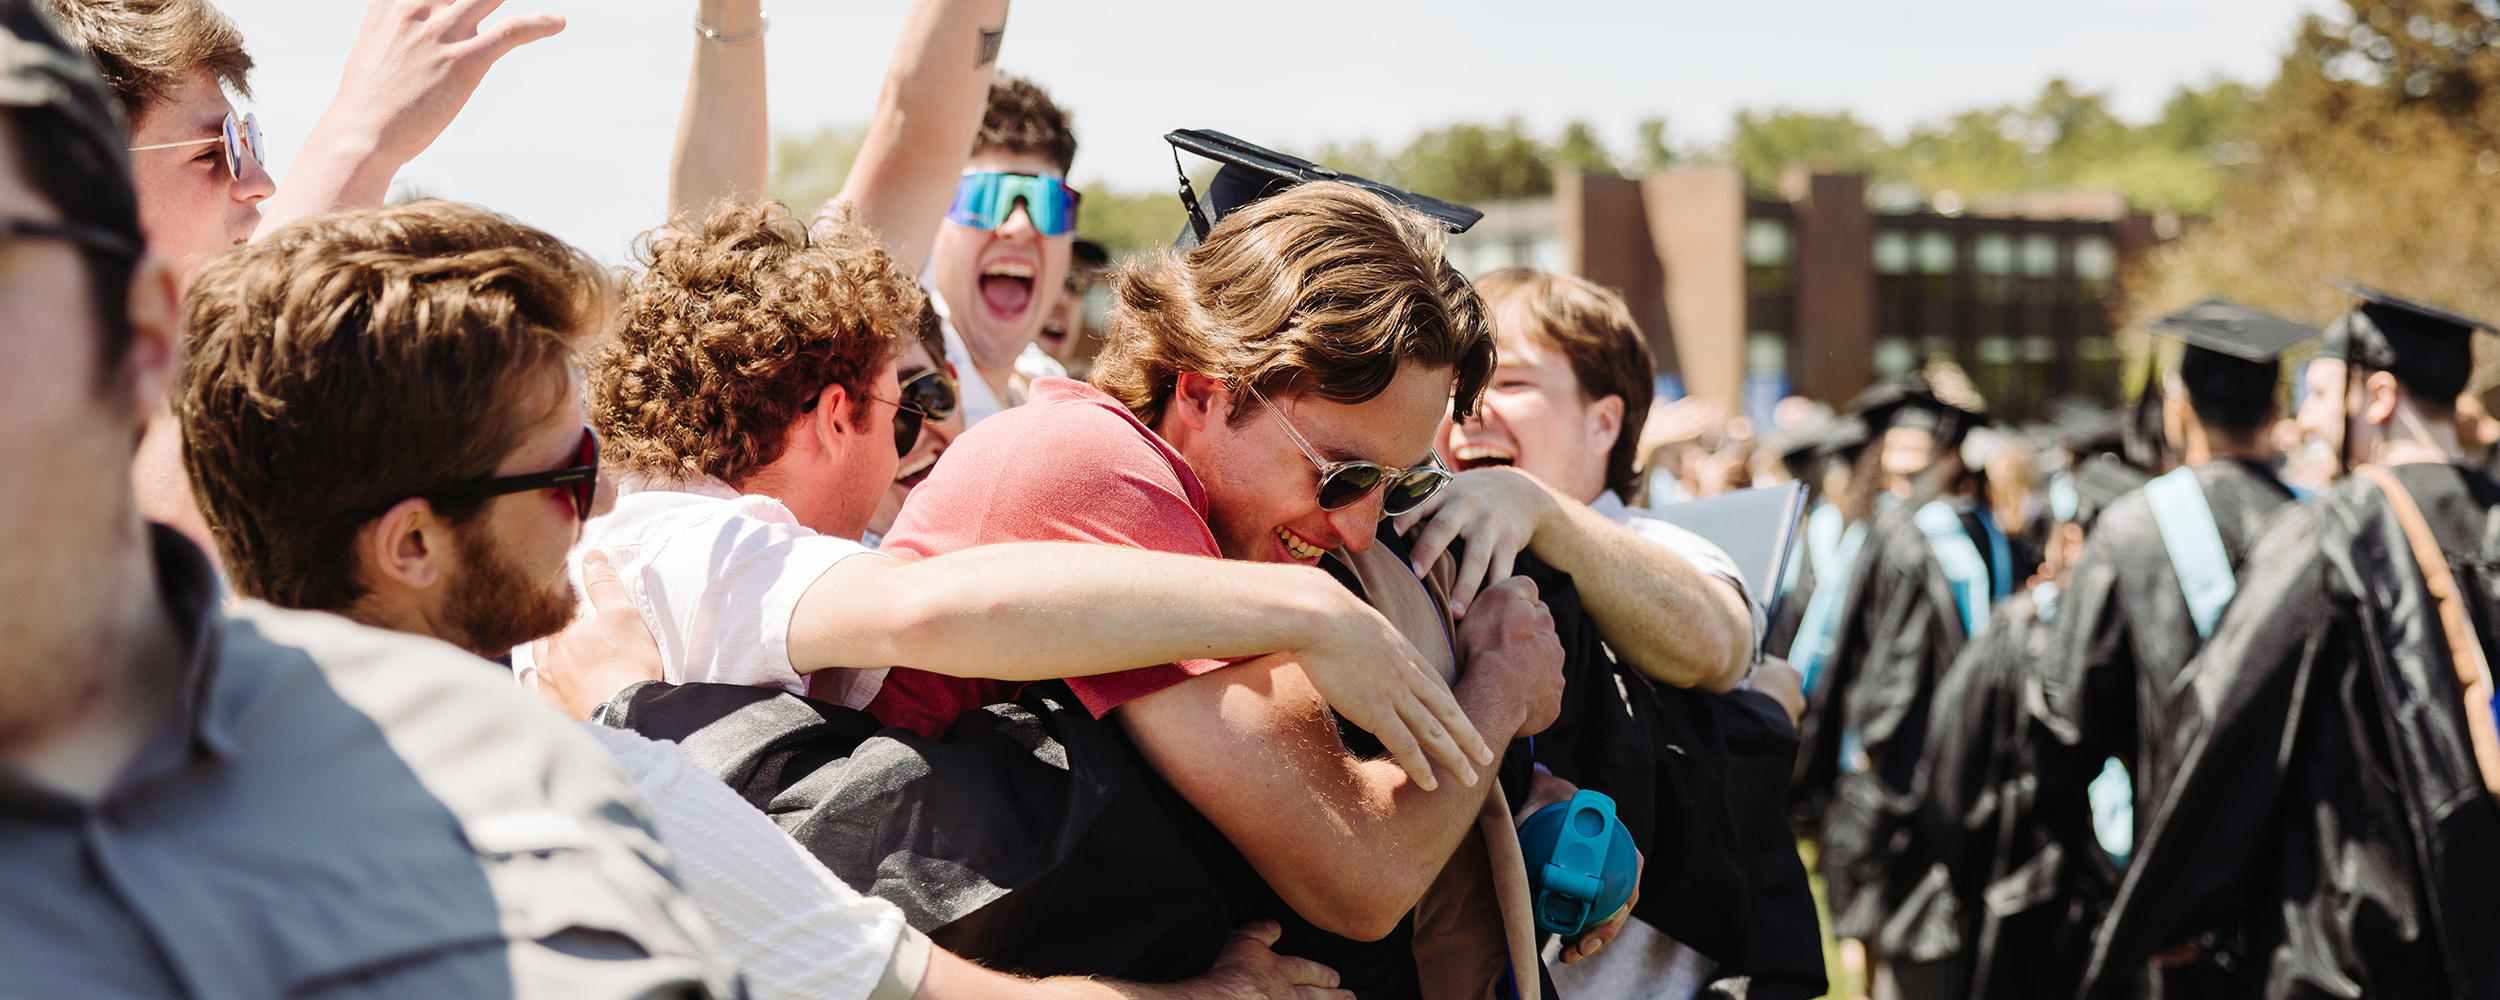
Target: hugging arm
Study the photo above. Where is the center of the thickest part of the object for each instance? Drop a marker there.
(1025, 611)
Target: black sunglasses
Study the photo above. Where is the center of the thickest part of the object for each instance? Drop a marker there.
(927, 396)
(579, 480)
(1343, 484)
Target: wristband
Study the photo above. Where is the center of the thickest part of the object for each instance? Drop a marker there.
(713, 34)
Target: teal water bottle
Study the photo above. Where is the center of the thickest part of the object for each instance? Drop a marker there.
(1581, 862)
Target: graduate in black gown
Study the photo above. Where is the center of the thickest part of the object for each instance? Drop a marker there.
(1922, 587)
(2028, 877)
(2330, 827)
(2112, 683)
(1823, 459)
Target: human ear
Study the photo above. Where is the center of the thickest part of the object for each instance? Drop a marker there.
(154, 316)
(1605, 424)
(830, 423)
(2379, 393)
(1200, 400)
(408, 546)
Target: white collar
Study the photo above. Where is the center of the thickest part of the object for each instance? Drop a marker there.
(702, 486)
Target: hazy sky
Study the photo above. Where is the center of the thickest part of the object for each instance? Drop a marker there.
(572, 133)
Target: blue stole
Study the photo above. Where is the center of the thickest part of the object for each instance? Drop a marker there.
(1834, 547)
(2187, 530)
(1964, 571)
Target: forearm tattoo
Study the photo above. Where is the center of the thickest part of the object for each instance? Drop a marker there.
(990, 39)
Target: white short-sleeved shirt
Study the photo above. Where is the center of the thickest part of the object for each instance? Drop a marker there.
(1705, 555)
(717, 575)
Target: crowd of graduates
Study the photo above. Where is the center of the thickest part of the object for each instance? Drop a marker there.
(396, 602)
(2192, 728)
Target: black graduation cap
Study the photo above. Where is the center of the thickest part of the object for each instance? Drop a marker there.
(2234, 353)
(2429, 349)
(2099, 482)
(2084, 428)
(1908, 401)
(1841, 437)
(1252, 172)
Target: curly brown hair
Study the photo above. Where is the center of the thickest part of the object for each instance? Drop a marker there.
(733, 328)
(353, 361)
(1323, 288)
(1023, 119)
(145, 47)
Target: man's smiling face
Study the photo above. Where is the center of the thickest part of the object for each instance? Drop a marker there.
(1263, 493)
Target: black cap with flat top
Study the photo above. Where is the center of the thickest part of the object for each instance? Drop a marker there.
(2429, 349)
(2234, 353)
(1251, 172)
(1909, 402)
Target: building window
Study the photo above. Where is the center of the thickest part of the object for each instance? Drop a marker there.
(2095, 264)
(1894, 357)
(1992, 260)
(1935, 252)
(2040, 268)
(2039, 255)
(1766, 257)
(2096, 367)
(1892, 252)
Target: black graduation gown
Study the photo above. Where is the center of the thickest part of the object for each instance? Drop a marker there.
(1900, 629)
(2125, 634)
(2027, 877)
(1699, 779)
(2326, 813)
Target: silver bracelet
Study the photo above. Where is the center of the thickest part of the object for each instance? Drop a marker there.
(714, 34)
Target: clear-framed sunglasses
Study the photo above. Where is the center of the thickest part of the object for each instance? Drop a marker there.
(241, 136)
(1345, 483)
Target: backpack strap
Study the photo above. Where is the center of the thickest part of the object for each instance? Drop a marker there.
(2464, 648)
(2195, 546)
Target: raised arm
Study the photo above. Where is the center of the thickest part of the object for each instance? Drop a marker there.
(411, 70)
(1664, 616)
(724, 139)
(1040, 610)
(928, 114)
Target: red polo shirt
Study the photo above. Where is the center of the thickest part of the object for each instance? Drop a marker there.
(1071, 465)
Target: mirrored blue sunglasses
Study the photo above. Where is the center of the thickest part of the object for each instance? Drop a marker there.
(984, 200)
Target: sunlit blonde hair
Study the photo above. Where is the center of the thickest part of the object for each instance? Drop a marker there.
(1324, 288)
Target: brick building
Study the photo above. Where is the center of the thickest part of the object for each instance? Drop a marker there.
(1748, 298)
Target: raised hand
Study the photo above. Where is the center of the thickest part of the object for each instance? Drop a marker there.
(412, 68)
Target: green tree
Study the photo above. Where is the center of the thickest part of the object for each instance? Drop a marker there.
(1127, 222)
(1652, 151)
(1581, 149)
(1765, 143)
(2372, 155)
(808, 168)
(1468, 162)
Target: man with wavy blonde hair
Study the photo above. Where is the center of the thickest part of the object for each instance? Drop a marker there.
(1266, 397)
